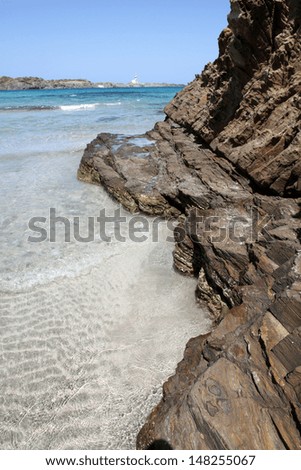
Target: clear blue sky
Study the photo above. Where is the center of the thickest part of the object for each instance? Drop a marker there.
(110, 40)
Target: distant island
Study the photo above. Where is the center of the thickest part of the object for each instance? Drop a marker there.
(37, 83)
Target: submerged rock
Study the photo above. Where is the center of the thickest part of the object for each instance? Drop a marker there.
(226, 162)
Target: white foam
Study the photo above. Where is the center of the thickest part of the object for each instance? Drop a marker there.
(78, 107)
(116, 103)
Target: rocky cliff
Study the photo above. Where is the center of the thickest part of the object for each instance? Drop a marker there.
(226, 162)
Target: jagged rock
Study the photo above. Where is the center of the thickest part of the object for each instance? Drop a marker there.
(247, 104)
(226, 162)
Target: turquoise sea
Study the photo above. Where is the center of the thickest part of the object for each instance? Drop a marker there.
(66, 120)
(88, 331)
(43, 134)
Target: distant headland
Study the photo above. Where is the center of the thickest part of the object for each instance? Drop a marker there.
(36, 83)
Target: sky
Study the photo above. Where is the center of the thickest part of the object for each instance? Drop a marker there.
(110, 40)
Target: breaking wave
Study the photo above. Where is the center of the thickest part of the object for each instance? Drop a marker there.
(78, 107)
(116, 103)
(68, 107)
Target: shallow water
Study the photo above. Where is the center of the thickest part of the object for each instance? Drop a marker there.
(89, 331)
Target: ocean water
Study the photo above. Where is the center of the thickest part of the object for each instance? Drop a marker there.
(89, 331)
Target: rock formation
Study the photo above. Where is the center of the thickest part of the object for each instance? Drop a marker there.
(226, 162)
(36, 83)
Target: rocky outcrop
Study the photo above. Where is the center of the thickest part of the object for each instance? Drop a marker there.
(36, 83)
(226, 163)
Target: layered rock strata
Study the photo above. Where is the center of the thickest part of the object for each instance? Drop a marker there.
(226, 162)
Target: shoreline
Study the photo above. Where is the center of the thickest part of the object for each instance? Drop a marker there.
(83, 361)
(37, 83)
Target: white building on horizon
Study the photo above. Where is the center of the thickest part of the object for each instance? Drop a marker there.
(135, 80)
